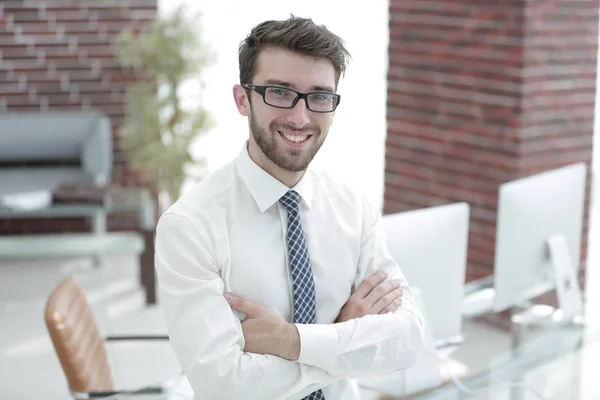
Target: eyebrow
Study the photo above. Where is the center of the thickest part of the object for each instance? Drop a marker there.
(291, 85)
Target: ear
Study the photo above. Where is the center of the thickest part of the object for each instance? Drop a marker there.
(242, 102)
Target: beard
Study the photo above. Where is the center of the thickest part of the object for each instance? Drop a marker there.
(289, 159)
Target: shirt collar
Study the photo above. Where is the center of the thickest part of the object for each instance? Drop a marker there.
(264, 188)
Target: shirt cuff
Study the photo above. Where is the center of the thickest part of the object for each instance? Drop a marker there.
(319, 344)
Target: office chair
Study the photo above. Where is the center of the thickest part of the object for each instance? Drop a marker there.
(80, 346)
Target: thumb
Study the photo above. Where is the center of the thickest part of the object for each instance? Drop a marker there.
(240, 304)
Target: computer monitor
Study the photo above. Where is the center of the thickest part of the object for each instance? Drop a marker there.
(538, 238)
(430, 246)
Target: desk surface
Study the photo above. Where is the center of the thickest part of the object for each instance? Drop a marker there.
(548, 361)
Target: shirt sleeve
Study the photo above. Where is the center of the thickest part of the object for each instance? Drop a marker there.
(206, 335)
(373, 344)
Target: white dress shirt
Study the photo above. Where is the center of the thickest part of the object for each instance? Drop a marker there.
(228, 233)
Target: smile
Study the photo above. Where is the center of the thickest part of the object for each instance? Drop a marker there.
(294, 138)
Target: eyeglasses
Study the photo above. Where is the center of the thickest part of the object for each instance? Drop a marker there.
(320, 102)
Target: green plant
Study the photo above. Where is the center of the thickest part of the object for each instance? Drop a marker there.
(158, 130)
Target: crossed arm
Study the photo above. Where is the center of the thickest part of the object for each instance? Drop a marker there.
(265, 332)
(264, 357)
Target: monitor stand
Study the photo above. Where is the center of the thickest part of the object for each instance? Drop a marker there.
(565, 278)
(565, 282)
(569, 311)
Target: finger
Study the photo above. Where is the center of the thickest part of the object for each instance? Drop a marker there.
(385, 301)
(393, 307)
(368, 284)
(381, 290)
(240, 304)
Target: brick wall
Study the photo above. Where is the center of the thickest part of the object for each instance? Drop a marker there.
(481, 93)
(57, 55)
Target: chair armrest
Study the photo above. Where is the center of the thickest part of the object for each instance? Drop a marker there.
(122, 338)
(111, 393)
(453, 341)
(107, 394)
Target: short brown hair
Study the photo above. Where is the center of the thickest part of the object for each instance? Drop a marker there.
(300, 35)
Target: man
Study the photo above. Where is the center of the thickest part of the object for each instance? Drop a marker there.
(275, 280)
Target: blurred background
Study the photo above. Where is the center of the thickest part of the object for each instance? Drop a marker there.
(110, 110)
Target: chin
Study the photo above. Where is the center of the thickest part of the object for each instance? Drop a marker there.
(292, 166)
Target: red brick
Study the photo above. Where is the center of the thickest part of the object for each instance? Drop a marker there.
(39, 77)
(100, 50)
(71, 63)
(99, 86)
(24, 15)
(105, 99)
(20, 100)
(81, 75)
(67, 15)
(10, 89)
(48, 88)
(37, 27)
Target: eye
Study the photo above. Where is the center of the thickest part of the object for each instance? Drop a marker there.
(322, 97)
(279, 92)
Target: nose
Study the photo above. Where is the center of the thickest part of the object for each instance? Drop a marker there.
(298, 115)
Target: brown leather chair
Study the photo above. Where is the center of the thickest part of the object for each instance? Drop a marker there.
(79, 345)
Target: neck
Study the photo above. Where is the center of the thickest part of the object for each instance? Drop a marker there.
(288, 178)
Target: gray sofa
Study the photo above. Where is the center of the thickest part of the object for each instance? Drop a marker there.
(41, 151)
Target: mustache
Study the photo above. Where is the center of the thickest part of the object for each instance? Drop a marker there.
(310, 128)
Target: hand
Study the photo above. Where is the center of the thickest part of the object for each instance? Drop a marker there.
(266, 332)
(373, 296)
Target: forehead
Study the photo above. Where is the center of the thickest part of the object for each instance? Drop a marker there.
(303, 72)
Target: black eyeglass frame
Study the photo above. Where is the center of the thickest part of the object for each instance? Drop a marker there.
(262, 91)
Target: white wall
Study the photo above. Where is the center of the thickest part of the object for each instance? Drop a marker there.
(354, 149)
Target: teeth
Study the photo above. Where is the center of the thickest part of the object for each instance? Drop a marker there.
(295, 139)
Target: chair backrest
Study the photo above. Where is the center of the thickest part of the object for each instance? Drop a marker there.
(77, 340)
